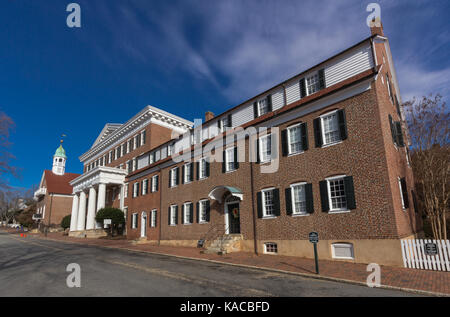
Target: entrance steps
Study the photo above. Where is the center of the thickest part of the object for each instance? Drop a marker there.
(225, 244)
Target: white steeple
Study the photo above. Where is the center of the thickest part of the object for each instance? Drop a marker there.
(59, 161)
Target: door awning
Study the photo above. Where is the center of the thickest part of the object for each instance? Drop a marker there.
(220, 192)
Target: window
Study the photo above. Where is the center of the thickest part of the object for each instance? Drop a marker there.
(133, 164)
(224, 123)
(263, 107)
(174, 177)
(170, 148)
(342, 251)
(330, 128)
(142, 138)
(188, 177)
(135, 143)
(145, 187)
(295, 139)
(122, 150)
(389, 87)
(135, 189)
(298, 197)
(173, 215)
(110, 157)
(134, 221)
(155, 180)
(265, 148)
(203, 168)
(153, 218)
(337, 196)
(126, 190)
(203, 211)
(229, 159)
(270, 247)
(268, 202)
(187, 213)
(128, 146)
(312, 84)
(403, 192)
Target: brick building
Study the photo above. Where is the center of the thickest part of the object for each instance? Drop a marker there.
(54, 195)
(323, 151)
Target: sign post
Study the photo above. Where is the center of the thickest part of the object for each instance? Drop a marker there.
(314, 239)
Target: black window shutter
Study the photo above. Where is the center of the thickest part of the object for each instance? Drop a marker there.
(176, 215)
(182, 174)
(197, 211)
(143, 137)
(230, 124)
(302, 88)
(393, 134)
(177, 171)
(318, 132)
(404, 192)
(324, 196)
(236, 161)
(157, 182)
(288, 199)
(269, 103)
(342, 124)
(255, 110)
(207, 168)
(208, 208)
(137, 189)
(399, 134)
(151, 185)
(304, 131)
(191, 214)
(182, 214)
(259, 204)
(156, 218)
(191, 178)
(397, 105)
(284, 142)
(138, 140)
(276, 201)
(258, 159)
(219, 125)
(321, 74)
(309, 198)
(170, 179)
(168, 213)
(350, 192)
(197, 174)
(223, 161)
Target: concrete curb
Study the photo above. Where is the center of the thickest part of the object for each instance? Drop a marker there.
(306, 275)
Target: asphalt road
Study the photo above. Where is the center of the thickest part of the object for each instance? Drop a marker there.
(36, 267)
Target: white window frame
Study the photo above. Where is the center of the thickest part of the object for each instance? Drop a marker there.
(172, 178)
(133, 164)
(263, 198)
(342, 244)
(173, 215)
(290, 152)
(135, 185)
(201, 165)
(145, 186)
(314, 74)
(153, 189)
(134, 220)
(261, 158)
(142, 137)
(322, 126)
(263, 100)
(202, 210)
(228, 161)
(330, 204)
(223, 124)
(187, 170)
(273, 245)
(187, 220)
(294, 212)
(153, 218)
(402, 200)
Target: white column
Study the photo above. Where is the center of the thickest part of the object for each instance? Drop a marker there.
(74, 217)
(101, 200)
(122, 196)
(90, 223)
(81, 212)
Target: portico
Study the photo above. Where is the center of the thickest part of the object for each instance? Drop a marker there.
(90, 195)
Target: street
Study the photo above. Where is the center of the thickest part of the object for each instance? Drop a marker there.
(35, 267)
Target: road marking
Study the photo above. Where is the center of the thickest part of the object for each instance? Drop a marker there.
(195, 280)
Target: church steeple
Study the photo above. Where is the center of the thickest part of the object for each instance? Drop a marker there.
(59, 160)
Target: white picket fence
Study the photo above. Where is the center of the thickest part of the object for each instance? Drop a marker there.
(414, 256)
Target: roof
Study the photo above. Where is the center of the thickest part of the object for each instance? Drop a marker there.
(60, 152)
(59, 184)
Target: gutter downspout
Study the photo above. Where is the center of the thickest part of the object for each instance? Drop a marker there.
(160, 204)
(255, 244)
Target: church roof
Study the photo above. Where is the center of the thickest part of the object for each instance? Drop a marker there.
(59, 184)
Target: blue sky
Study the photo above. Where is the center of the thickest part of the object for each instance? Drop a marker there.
(185, 57)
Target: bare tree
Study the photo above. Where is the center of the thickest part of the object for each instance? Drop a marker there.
(9, 204)
(428, 124)
(6, 124)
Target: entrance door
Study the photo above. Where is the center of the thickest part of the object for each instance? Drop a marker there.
(234, 218)
(144, 224)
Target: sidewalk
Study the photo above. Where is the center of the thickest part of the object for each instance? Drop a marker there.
(428, 281)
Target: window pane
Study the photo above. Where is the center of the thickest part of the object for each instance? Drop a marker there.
(331, 129)
(268, 202)
(295, 144)
(299, 199)
(337, 194)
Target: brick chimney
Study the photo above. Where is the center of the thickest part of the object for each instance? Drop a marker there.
(377, 30)
(208, 115)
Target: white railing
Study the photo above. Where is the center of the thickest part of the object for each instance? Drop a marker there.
(40, 192)
(426, 254)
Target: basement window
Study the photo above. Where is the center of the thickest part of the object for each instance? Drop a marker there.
(342, 251)
(270, 248)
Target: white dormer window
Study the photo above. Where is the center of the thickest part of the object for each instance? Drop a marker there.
(312, 84)
(263, 107)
